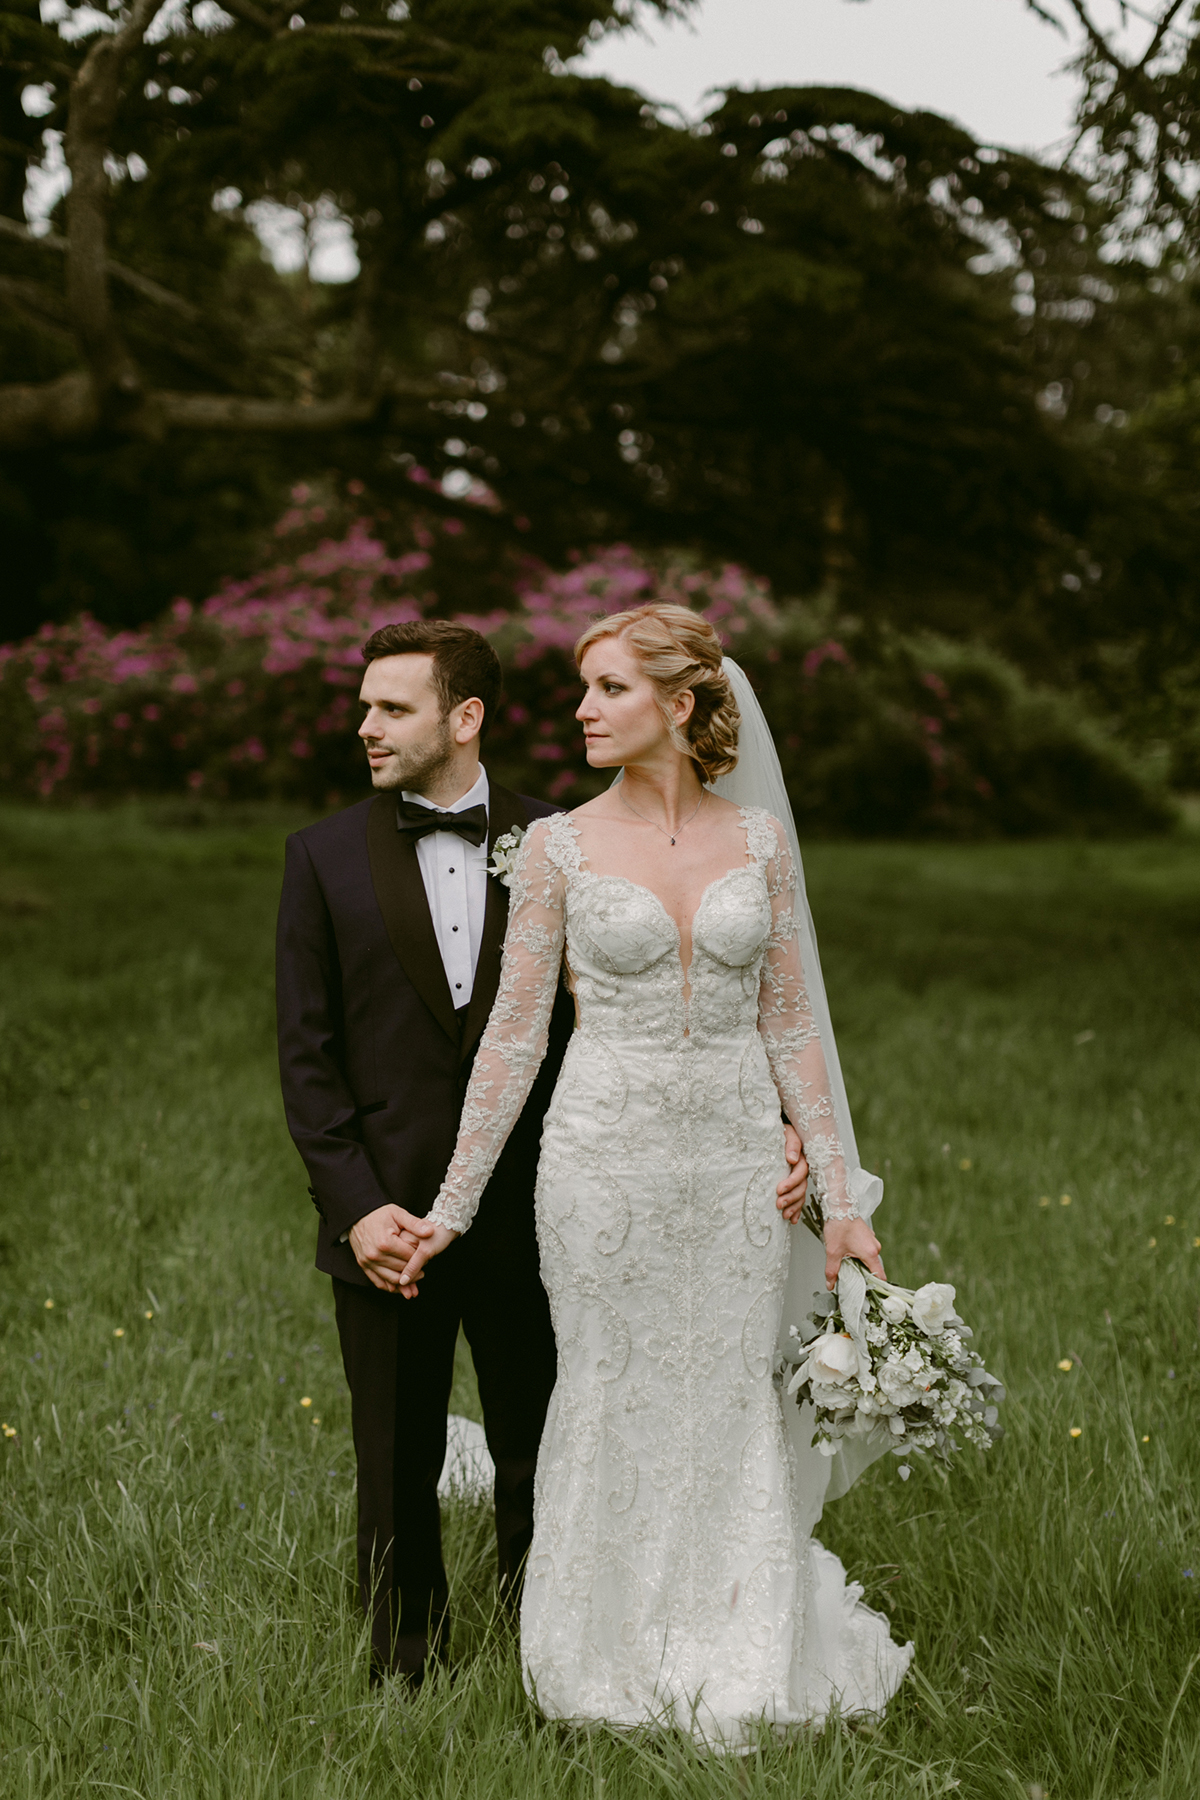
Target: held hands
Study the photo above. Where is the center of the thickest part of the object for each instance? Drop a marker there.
(851, 1237)
(794, 1186)
(434, 1239)
(384, 1242)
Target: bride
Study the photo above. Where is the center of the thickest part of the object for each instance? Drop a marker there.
(673, 1577)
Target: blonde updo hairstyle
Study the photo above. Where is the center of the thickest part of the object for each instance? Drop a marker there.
(681, 653)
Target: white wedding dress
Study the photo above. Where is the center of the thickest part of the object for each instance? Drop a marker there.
(672, 1576)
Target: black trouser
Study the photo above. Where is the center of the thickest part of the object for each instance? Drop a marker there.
(399, 1360)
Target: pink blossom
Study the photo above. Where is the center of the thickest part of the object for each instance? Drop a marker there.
(547, 752)
(830, 651)
(91, 704)
(562, 784)
(234, 688)
(932, 726)
(935, 684)
(151, 712)
(122, 721)
(182, 609)
(185, 684)
(196, 780)
(300, 747)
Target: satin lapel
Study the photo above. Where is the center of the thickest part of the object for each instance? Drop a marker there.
(505, 813)
(400, 891)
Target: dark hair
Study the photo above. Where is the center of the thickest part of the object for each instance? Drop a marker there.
(465, 667)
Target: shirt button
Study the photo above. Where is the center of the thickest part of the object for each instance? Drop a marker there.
(454, 928)
(458, 984)
(452, 869)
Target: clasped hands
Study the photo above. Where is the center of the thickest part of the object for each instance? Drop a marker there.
(392, 1246)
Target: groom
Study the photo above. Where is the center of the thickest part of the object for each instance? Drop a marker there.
(390, 930)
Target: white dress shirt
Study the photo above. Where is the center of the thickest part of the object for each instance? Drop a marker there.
(455, 877)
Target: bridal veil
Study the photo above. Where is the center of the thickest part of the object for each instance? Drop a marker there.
(758, 781)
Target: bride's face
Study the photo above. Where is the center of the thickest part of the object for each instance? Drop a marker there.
(621, 718)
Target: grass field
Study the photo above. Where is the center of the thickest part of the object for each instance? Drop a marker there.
(1018, 1024)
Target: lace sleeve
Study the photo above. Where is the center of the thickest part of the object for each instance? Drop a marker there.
(793, 1044)
(514, 1043)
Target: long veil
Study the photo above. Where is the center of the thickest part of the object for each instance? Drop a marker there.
(758, 781)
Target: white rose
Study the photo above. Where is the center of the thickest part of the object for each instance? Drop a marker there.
(894, 1309)
(932, 1305)
(898, 1385)
(833, 1360)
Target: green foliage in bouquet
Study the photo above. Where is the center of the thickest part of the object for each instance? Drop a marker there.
(253, 693)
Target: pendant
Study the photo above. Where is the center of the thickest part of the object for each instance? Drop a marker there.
(672, 842)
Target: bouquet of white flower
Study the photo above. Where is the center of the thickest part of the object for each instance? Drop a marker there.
(894, 1365)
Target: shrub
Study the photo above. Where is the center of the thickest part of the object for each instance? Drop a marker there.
(253, 694)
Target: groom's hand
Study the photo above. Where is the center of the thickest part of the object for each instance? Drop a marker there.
(794, 1186)
(383, 1242)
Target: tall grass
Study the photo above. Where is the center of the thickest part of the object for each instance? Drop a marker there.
(176, 1525)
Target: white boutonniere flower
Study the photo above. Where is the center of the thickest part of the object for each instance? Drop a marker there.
(504, 855)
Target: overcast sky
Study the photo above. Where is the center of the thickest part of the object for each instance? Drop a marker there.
(991, 64)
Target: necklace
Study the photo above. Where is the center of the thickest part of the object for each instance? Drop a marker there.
(645, 821)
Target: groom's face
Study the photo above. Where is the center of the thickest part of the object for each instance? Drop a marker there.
(409, 742)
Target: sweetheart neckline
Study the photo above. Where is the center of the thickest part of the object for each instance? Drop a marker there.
(641, 887)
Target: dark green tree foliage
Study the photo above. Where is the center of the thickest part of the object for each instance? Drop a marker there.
(770, 336)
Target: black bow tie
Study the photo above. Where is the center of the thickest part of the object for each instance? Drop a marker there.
(471, 823)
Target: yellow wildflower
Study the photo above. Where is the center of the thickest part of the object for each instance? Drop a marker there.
(307, 1400)
(10, 1431)
(49, 1306)
(1045, 1200)
(147, 1315)
(1077, 1431)
(1066, 1365)
(1064, 1199)
(120, 1331)
(1146, 1439)
(964, 1162)
(1153, 1242)
(1170, 1219)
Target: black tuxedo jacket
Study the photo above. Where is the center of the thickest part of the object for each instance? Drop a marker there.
(373, 1059)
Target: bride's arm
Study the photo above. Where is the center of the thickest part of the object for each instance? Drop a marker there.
(793, 1044)
(511, 1048)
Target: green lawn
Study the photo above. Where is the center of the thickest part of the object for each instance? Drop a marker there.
(176, 1550)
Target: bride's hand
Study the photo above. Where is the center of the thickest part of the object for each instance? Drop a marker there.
(439, 1239)
(849, 1237)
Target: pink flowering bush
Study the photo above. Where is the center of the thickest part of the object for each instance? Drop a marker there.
(253, 694)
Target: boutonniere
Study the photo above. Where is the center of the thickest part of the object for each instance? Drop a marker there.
(504, 855)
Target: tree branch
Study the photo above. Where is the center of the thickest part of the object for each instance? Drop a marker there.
(71, 410)
(253, 15)
(1161, 30)
(1096, 37)
(236, 412)
(130, 278)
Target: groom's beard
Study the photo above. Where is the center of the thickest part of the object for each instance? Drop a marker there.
(417, 766)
